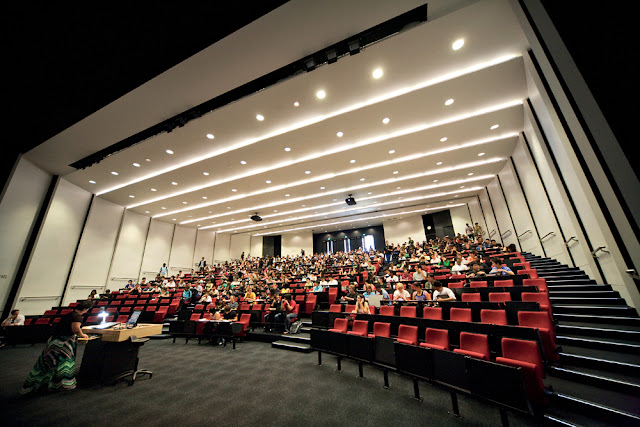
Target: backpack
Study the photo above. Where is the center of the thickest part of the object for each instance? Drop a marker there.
(295, 327)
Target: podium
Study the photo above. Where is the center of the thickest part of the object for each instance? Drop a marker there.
(114, 355)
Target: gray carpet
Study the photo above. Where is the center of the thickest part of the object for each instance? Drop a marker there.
(255, 384)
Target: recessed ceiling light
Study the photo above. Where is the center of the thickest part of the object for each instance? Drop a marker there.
(184, 203)
(114, 173)
(286, 195)
(146, 211)
(210, 136)
(205, 173)
(340, 134)
(307, 172)
(392, 151)
(169, 151)
(395, 172)
(153, 189)
(92, 182)
(147, 160)
(228, 207)
(242, 162)
(361, 179)
(397, 188)
(198, 225)
(163, 207)
(136, 165)
(131, 196)
(302, 206)
(275, 210)
(443, 139)
(386, 120)
(174, 183)
(495, 127)
(480, 154)
(352, 161)
(234, 190)
(369, 192)
(321, 94)
(470, 173)
(268, 181)
(173, 219)
(462, 186)
(439, 163)
(377, 73)
(204, 197)
(287, 149)
(448, 101)
(322, 188)
(457, 44)
(296, 104)
(260, 117)
(435, 180)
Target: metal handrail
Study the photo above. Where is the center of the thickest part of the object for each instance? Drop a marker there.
(570, 239)
(492, 233)
(551, 233)
(123, 278)
(180, 268)
(47, 297)
(505, 233)
(528, 231)
(601, 248)
(633, 273)
(87, 286)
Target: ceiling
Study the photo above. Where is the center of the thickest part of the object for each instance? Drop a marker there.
(381, 140)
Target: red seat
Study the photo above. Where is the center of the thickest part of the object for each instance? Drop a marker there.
(494, 317)
(50, 312)
(474, 345)
(112, 310)
(453, 285)
(408, 334)
(254, 307)
(138, 308)
(349, 308)
(116, 302)
(434, 313)
(200, 307)
(436, 338)
(332, 294)
(441, 277)
(129, 302)
(125, 310)
(207, 315)
(460, 314)
(173, 308)
(122, 296)
(387, 310)
(245, 319)
(471, 297)
(457, 276)
(542, 298)
(524, 265)
(408, 311)
(65, 311)
(541, 321)
(195, 317)
(43, 321)
(360, 328)
(526, 355)
(90, 319)
(381, 329)
(151, 308)
(122, 318)
(541, 284)
(503, 283)
(56, 320)
(533, 273)
(28, 322)
(478, 284)
(499, 297)
(73, 304)
(310, 303)
(101, 303)
(93, 310)
(340, 325)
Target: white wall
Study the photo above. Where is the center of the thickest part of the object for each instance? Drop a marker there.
(50, 262)
(491, 226)
(221, 248)
(127, 257)
(157, 248)
(477, 214)
(205, 239)
(398, 231)
(182, 250)
(21, 202)
(293, 242)
(460, 218)
(256, 246)
(91, 266)
(239, 243)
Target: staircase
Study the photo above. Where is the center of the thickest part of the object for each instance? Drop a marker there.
(597, 381)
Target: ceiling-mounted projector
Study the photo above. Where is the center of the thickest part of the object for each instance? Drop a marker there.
(256, 217)
(350, 200)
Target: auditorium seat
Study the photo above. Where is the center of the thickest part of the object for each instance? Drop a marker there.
(125, 310)
(160, 314)
(340, 325)
(531, 272)
(122, 318)
(116, 303)
(541, 284)
(471, 297)
(542, 298)
(503, 283)
(408, 334)
(195, 317)
(245, 319)
(360, 328)
(408, 311)
(440, 277)
(112, 310)
(65, 311)
(457, 276)
(541, 321)
(129, 302)
(335, 308)
(460, 314)
(436, 338)
(91, 320)
(349, 308)
(100, 303)
(453, 285)
(474, 345)
(138, 308)
(478, 284)
(43, 321)
(332, 294)
(526, 355)
(494, 317)
(387, 310)
(434, 313)
(499, 297)
(381, 329)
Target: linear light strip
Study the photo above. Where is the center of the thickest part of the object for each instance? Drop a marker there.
(360, 219)
(317, 119)
(349, 189)
(343, 148)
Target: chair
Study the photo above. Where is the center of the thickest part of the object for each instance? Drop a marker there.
(436, 338)
(125, 310)
(195, 317)
(471, 297)
(433, 313)
(457, 276)
(440, 277)
(541, 321)
(524, 265)
(408, 334)
(138, 308)
(460, 314)
(245, 320)
(499, 297)
(526, 355)
(90, 320)
(349, 308)
(160, 314)
(542, 298)
(533, 273)
(122, 318)
(474, 345)
(494, 317)
(100, 304)
(116, 303)
(46, 320)
(112, 310)
(200, 307)
(478, 284)
(381, 329)
(453, 285)
(340, 325)
(332, 294)
(387, 310)
(335, 308)
(408, 311)
(360, 328)
(503, 283)
(541, 284)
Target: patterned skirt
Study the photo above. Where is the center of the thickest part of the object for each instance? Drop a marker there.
(55, 368)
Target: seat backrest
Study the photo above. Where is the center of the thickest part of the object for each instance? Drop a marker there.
(535, 319)
(453, 285)
(457, 276)
(122, 318)
(409, 333)
(460, 314)
(541, 298)
(200, 307)
(540, 283)
(112, 310)
(372, 309)
(478, 343)
(499, 296)
(530, 271)
(335, 308)
(138, 308)
(387, 310)
(43, 321)
(360, 326)
(408, 311)
(503, 283)
(381, 329)
(245, 318)
(434, 313)
(494, 317)
(478, 284)
(526, 351)
(471, 296)
(439, 337)
(256, 307)
(349, 308)
(340, 324)
(195, 317)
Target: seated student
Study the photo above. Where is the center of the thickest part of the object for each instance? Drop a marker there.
(494, 244)
(164, 292)
(129, 285)
(15, 319)
(351, 295)
(228, 313)
(368, 291)
(400, 293)
(419, 294)
(459, 267)
(250, 295)
(419, 274)
(362, 307)
(288, 311)
(233, 303)
(106, 295)
(187, 294)
(497, 269)
(215, 314)
(476, 270)
(318, 287)
(205, 298)
(509, 248)
(441, 293)
(381, 291)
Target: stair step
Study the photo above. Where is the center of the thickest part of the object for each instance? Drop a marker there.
(588, 412)
(612, 356)
(608, 345)
(588, 301)
(614, 320)
(595, 380)
(580, 288)
(570, 360)
(595, 310)
(568, 281)
(293, 346)
(621, 334)
(301, 338)
(582, 294)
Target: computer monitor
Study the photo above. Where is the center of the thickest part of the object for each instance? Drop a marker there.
(133, 320)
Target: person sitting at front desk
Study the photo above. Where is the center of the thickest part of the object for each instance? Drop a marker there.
(368, 291)
(441, 293)
(362, 307)
(228, 313)
(400, 293)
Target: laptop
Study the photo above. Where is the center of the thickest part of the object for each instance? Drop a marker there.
(133, 319)
(374, 300)
(105, 325)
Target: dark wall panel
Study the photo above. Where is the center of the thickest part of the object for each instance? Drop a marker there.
(355, 235)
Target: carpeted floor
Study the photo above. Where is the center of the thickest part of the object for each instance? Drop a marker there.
(253, 385)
